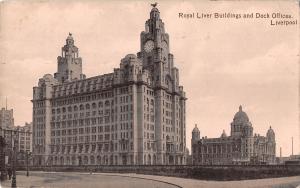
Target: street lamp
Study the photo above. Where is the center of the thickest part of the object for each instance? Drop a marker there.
(14, 179)
(27, 156)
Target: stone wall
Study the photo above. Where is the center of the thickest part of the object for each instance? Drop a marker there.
(219, 173)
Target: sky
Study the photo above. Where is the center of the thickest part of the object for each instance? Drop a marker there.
(223, 63)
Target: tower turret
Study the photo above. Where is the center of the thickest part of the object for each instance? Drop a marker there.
(69, 65)
(271, 135)
(195, 133)
(194, 142)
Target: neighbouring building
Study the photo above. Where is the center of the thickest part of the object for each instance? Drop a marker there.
(8, 134)
(134, 115)
(241, 147)
(13, 137)
(24, 137)
(6, 118)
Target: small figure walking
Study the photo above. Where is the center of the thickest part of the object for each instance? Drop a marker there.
(9, 171)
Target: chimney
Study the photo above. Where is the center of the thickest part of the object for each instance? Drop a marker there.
(280, 152)
(292, 146)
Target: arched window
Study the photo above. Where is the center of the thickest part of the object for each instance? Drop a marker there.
(98, 159)
(92, 160)
(75, 108)
(94, 105)
(81, 107)
(87, 106)
(85, 160)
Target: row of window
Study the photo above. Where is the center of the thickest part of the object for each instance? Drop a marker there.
(92, 138)
(81, 148)
(81, 99)
(123, 125)
(88, 130)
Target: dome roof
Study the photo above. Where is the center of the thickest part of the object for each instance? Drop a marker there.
(196, 129)
(130, 56)
(154, 9)
(241, 116)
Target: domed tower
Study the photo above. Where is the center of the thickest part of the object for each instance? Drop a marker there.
(69, 65)
(223, 135)
(195, 134)
(194, 143)
(271, 135)
(155, 52)
(271, 146)
(240, 121)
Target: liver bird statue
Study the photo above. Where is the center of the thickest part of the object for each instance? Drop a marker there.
(154, 5)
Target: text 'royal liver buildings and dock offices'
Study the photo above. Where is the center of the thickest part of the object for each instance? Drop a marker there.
(134, 115)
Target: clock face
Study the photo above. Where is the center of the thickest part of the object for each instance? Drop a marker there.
(164, 46)
(148, 47)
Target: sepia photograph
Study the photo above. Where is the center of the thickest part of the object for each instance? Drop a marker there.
(156, 94)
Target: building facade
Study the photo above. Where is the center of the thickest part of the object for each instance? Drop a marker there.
(14, 139)
(241, 147)
(24, 137)
(6, 118)
(134, 115)
(8, 135)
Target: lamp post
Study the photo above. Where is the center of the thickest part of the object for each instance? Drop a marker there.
(27, 157)
(14, 179)
(14, 163)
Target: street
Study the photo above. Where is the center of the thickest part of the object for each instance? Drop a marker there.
(113, 180)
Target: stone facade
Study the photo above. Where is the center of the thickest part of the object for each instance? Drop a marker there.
(7, 129)
(6, 118)
(134, 115)
(24, 137)
(241, 147)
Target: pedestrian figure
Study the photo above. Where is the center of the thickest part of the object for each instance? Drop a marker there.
(9, 171)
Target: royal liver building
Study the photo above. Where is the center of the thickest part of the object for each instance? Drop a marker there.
(134, 115)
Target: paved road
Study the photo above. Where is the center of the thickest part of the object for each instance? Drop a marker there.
(85, 180)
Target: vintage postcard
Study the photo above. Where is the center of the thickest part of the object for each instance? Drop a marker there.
(180, 93)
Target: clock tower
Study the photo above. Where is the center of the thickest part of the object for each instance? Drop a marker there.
(69, 64)
(155, 51)
(168, 96)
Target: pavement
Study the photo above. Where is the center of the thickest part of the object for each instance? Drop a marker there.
(114, 180)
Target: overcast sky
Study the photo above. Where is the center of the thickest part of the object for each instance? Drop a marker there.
(223, 63)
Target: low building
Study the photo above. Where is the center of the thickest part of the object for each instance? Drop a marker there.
(241, 147)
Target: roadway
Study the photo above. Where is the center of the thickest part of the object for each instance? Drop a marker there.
(113, 180)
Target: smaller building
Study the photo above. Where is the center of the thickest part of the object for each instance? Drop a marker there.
(241, 147)
(25, 137)
(6, 118)
(19, 137)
